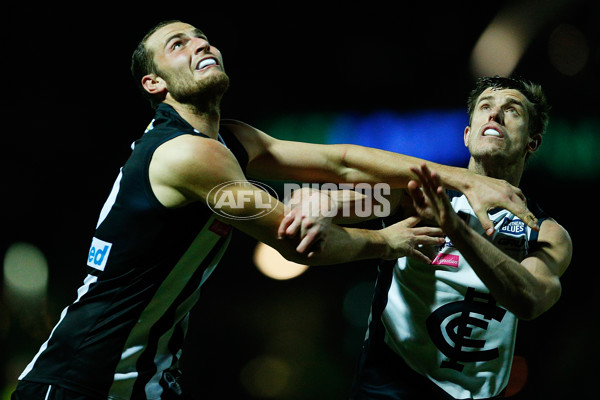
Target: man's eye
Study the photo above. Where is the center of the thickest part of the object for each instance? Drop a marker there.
(485, 107)
(176, 45)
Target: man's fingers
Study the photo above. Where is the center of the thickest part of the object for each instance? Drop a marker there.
(308, 241)
(305, 226)
(284, 224)
(414, 190)
(417, 255)
(485, 221)
(430, 240)
(519, 208)
(429, 231)
(293, 227)
(411, 221)
(530, 220)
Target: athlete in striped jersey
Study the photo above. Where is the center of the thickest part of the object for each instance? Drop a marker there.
(159, 235)
(445, 329)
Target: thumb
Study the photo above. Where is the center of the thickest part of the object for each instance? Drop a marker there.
(411, 221)
(486, 223)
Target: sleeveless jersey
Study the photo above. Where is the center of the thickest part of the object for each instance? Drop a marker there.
(442, 320)
(145, 267)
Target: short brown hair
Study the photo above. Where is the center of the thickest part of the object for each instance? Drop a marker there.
(539, 113)
(142, 62)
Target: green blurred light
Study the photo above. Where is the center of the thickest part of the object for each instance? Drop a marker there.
(570, 149)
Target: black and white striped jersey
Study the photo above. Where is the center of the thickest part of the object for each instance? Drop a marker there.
(145, 267)
(441, 319)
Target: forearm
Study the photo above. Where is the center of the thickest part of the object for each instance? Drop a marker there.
(343, 206)
(340, 245)
(374, 165)
(511, 284)
(345, 245)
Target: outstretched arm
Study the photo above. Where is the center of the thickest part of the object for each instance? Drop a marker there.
(187, 169)
(272, 158)
(527, 288)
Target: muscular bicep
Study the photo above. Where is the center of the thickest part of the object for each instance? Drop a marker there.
(272, 158)
(553, 249)
(187, 168)
(548, 259)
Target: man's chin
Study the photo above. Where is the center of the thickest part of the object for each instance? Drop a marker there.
(206, 92)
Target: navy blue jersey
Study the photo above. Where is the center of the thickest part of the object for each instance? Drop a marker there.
(145, 267)
(440, 321)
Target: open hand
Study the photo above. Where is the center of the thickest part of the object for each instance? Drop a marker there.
(430, 199)
(404, 239)
(309, 215)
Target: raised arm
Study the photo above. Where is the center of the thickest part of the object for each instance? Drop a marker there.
(526, 287)
(272, 158)
(186, 169)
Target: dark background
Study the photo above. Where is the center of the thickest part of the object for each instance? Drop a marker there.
(71, 111)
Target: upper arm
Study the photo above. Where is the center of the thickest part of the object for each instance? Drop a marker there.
(272, 158)
(187, 169)
(548, 260)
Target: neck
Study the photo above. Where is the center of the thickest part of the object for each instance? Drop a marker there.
(205, 120)
(510, 172)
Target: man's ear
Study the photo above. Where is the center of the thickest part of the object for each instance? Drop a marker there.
(534, 143)
(154, 84)
(466, 135)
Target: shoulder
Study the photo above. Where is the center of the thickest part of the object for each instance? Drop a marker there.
(254, 140)
(187, 151)
(554, 245)
(187, 167)
(551, 230)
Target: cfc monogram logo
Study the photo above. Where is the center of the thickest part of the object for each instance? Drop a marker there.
(459, 328)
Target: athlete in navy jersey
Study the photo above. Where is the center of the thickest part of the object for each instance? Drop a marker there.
(439, 323)
(159, 235)
(445, 328)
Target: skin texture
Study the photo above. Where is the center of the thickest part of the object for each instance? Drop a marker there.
(527, 287)
(185, 169)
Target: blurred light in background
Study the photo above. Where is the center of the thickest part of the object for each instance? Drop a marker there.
(499, 49)
(570, 149)
(503, 43)
(568, 49)
(266, 377)
(272, 264)
(25, 270)
(25, 293)
(518, 376)
(437, 135)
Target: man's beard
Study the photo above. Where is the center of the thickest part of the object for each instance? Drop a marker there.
(204, 95)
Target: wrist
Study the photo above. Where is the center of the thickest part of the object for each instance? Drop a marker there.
(455, 226)
(382, 243)
(455, 178)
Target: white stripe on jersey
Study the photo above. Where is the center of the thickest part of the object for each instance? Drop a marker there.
(48, 392)
(80, 292)
(168, 291)
(112, 197)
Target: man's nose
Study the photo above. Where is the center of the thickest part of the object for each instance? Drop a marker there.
(201, 45)
(496, 115)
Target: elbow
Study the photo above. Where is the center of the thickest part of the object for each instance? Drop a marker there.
(528, 309)
(527, 313)
(292, 255)
(532, 306)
